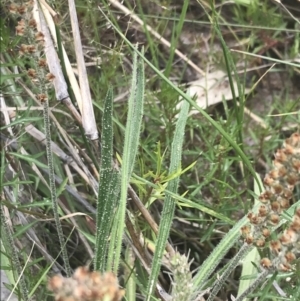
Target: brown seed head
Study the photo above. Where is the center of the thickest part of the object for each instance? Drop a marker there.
(292, 234)
(262, 211)
(274, 219)
(275, 206)
(280, 156)
(277, 188)
(274, 174)
(287, 193)
(32, 23)
(296, 164)
(23, 49)
(50, 77)
(282, 171)
(275, 246)
(289, 150)
(284, 203)
(39, 36)
(13, 8)
(260, 243)
(268, 181)
(245, 230)
(42, 97)
(81, 273)
(284, 267)
(86, 286)
(285, 239)
(292, 179)
(31, 48)
(254, 219)
(294, 140)
(266, 263)
(290, 256)
(20, 30)
(266, 196)
(31, 73)
(249, 239)
(295, 225)
(266, 232)
(55, 283)
(42, 62)
(21, 9)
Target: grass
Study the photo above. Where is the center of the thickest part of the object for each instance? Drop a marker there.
(161, 197)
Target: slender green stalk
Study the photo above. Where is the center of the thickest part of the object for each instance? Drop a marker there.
(53, 189)
(169, 203)
(233, 264)
(175, 37)
(262, 276)
(238, 102)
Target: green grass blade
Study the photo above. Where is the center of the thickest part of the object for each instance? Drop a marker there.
(132, 134)
(25, 119)
(169, 203)
(113, 196)
(105, 201)
(175, 37)
(29, 159)
(238, 102)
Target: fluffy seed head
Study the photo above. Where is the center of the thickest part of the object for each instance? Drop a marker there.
(290, 256)
(275, 246)
(266, 232)
(275, 206)
(266, 263)
(260, 243)
(274, 219)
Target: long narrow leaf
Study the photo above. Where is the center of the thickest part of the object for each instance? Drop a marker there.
(169, 203)
(105, 202)
(132, 134)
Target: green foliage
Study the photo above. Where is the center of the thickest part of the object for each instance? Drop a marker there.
(169, 203)
(132, 133)
(108, 188)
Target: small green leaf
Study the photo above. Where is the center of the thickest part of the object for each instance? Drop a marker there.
(23, 228)
(29, 159)
(21, 120)
(5, 77)
(62, 186)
